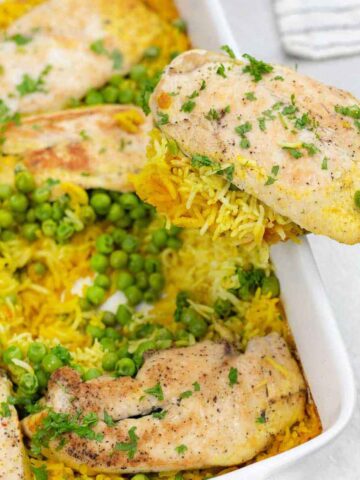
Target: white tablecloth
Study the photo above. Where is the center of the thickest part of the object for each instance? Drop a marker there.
(254, 28)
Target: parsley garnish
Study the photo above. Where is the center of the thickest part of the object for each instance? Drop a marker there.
(229, 51)
(159, 415)
(181, 449)
(271, 178)
(324, 163)
(30, 85)
(188, 106)
(353, 111)
(228, 172)
(40, 473)
(185, 394)
(233, 376)
(302, 122)
(84, 135)
(256, 68)
(262, 124)
(19, 39)
(182, 297)
(310, 148)
(221, 71)
(163, 118)
(262, 418)
(250, 96)
(108, 419)
(294, 152)
(203, 161)
(194, 94)
(203, 85)
(196, 386)
(115, 55)
(242, 130)
(131, 446)
(279, 77)
(155, 391)
(5, 410)
(60, 351)
(212, 114)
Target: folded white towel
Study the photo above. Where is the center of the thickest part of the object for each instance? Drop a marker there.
(319, 29)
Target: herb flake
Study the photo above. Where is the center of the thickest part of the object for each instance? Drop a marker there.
(156, 391)
(233, 376)
(256, 68)
(131, 446)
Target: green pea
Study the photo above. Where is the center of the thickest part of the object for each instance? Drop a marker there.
(30, 231)
(104, 244)
(118, 259)
(138, 213)
(24, 182)
(136, 263)
(28, 383)
(95, 295)
(122, 351)
(108, 319)
(150, 296)
(129, 200)
(6, 219)
(152, 265)
(125, 367)
(152, 52)
(142, 348)
(5, 191)
(101, 203)
(94, 97)
(194, 322)
(87, 215)
(36, 352)
(18, 202)
(174, 243)
(102, 281)
(270, 285)
(30, 215)
(124, 222)
(51, 362)
(180, 24)
(160, 238)
(39, 268)
(124, 280)
(111, 332)
(79, 368)
(85, 305)
(133, 294)
(41, 378)
(64, 232)
(41, 195)
(110, 94)
(43, 211)
(115, 213)
(157, 281)
(99, 262)
(12, 352)
(7, 235)
(125, 96)
(58, 211)
(91, 374)
(123, 315)
(49, 227)
(108, 344)
(138, 72)
(95, 331)
(130, 244)
(357, 198)
(163, 344)
(109, 361)
(118, 235)
(19, 217)
(141, 280)
(116, 80)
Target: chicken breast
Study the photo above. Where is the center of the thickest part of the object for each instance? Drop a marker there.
(91, 147)
(14, 463)
(287, 139)
(62, 48)
(193, 407)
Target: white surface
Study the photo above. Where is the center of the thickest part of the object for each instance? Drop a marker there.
(254, 29)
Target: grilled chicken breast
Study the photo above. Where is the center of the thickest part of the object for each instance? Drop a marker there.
(91, 147)
(293, 142)
(62, 48)
(13, 462)
(217, 408)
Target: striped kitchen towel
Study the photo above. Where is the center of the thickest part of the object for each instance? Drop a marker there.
(319, 29)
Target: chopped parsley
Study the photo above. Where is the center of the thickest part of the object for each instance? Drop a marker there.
(60, 351)
(229, 51)
(19, 39)
(196, 386)
(84, 135)
(115, 55)
(310, 148)
(353, 111)
(242, 130)
(188, 106)
(221, 71)
(131, 446)
(5, 410)
(302, 122)
(271, 178)
(279, 77)
(159, 415)
(212, 115)
(203, 161)
(250, 96)
(156, 391)
(203, 85)
(294, 152)
(186, 394)
(262, 124)
(228, 172)
(233, 376)
(55, 425)
(108, 419)
(324, 163)
(256, 68)
(40, 473)
(194, 94)
(163, 118)
(181, 449)
(261, 418)
(30, 85)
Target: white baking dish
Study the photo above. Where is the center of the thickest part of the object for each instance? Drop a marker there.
(318, 341)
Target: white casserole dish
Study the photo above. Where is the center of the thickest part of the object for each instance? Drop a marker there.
(318, 340)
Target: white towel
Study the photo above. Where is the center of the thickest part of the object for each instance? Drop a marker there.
(319, 29)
